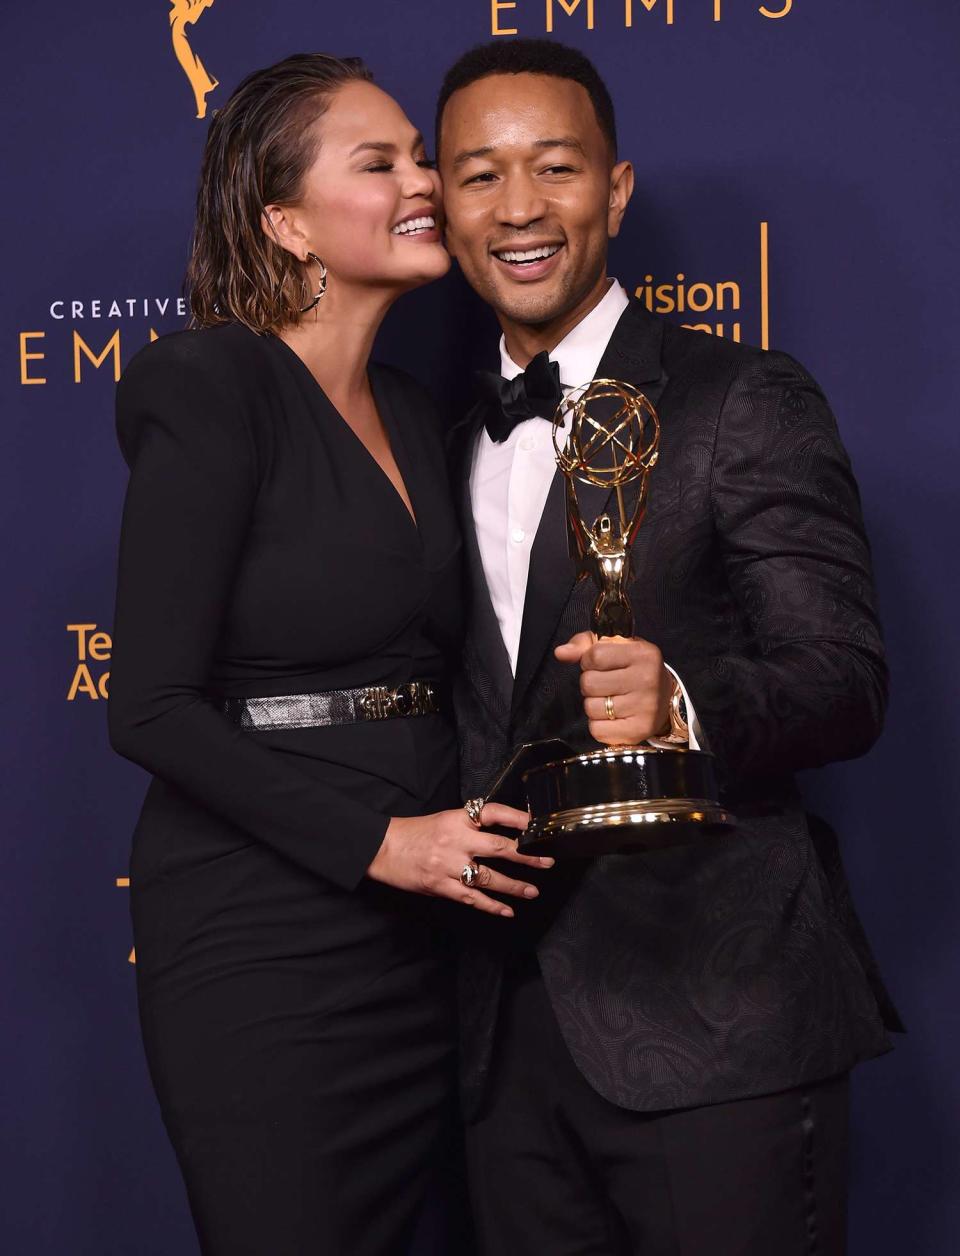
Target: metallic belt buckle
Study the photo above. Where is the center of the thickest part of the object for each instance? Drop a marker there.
(381, 703)
(371, 703)
(403, 700)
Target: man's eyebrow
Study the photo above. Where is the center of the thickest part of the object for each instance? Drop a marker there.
(384, 146)
(562, 141)
(471, 153)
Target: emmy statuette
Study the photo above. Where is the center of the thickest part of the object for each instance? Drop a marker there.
(620, 798)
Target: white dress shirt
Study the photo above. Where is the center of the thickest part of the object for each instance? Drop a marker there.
(510, 480)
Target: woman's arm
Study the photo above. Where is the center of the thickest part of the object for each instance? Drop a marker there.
(186, 434)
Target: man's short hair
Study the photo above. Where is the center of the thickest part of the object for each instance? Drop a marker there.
(531, 56)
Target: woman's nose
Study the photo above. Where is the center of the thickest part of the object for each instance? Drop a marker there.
(421, 181)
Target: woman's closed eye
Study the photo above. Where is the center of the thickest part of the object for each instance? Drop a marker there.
(385, 167)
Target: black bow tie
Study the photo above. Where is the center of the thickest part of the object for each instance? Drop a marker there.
(534, 393)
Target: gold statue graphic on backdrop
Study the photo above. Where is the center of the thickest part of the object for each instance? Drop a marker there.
(184, 13)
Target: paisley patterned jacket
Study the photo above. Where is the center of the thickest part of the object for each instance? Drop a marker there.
(735, 966)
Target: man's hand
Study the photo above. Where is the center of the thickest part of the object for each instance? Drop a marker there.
(628, 671)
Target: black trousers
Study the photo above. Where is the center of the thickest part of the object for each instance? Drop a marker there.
(557, 1170)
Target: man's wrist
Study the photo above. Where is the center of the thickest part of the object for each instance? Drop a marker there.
(676, 730)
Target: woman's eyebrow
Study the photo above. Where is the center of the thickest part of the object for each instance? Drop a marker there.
(384, 146)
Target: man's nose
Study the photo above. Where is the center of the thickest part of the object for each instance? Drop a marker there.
(520, 203)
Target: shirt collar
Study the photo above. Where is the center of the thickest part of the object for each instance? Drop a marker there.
(578, 354)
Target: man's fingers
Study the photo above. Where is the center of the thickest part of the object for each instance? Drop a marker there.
(619, 732)
(611, 653)
(573, 650)
(607, 653)
(625, 705)
(594, 684)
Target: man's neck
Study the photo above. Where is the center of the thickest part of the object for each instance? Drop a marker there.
(525, 340)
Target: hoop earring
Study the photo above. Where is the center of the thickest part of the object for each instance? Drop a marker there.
(321, 286)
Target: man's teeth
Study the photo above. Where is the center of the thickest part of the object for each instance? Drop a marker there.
(530, 255)
(413, 226)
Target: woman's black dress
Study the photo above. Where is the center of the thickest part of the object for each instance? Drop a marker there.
(296, 1015)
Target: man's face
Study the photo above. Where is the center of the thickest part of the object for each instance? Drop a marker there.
(530, 194)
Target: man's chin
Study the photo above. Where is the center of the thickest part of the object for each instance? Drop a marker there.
(529, 306)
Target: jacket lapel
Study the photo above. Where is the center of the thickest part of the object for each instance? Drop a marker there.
(632, 356)
(483, 628)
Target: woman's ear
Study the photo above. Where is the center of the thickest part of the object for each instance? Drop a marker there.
(280, 225)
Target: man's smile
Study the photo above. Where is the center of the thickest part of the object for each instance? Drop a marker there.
(529, 261)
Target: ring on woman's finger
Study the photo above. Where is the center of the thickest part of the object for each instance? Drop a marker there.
(474, 809)
(609, 708)
(470, 876)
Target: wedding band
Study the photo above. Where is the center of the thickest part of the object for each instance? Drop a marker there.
(470, 875)
(608, 707)
(474, 809)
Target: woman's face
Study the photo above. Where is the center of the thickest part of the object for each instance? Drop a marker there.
(371, 201)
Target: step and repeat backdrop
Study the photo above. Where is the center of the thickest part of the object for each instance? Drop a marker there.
(795, 163)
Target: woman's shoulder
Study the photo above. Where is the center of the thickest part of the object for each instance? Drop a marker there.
(209, 386)
(229, 353)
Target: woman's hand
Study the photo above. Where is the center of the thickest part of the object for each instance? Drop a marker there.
(426, 855)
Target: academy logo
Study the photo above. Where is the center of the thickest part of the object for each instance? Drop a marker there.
(184, 13)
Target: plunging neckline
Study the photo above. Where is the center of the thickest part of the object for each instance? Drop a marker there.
(391, 431)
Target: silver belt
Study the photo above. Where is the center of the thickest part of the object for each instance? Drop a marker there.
(338, 706)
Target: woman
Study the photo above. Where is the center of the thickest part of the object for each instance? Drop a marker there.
(288, 607)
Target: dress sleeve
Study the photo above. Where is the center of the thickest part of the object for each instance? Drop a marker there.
(187, 438)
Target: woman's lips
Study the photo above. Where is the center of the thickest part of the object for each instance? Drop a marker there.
(430, 236)
(418, 227)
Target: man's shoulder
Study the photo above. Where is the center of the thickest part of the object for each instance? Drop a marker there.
(688, 346)
(686, 349)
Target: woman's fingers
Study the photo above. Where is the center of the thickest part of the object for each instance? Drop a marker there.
(506, 847)
(472, 897)
(490, 879)
(512, 855)
(493, 846)
(509, 817)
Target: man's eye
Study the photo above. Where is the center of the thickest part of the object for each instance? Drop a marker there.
(558, 170)
(487, 176)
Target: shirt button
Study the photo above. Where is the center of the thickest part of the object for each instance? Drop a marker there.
(518, 535)
(528, 442)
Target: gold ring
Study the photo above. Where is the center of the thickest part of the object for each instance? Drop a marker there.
(608, 707)
(470, 875)
(474, 809)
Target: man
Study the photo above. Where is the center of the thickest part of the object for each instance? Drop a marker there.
(656, 1058)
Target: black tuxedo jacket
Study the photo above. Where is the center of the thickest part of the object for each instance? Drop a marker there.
(734, 966)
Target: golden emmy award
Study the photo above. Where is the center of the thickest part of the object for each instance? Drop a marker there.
(622, 798)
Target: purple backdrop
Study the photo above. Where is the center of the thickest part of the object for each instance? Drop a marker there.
(794, 164)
